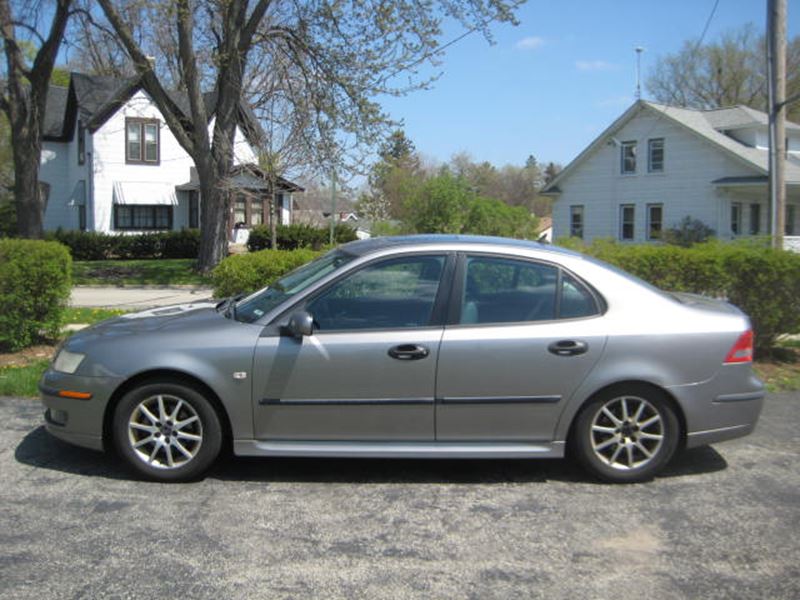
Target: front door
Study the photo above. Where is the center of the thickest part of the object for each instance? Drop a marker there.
(368, 373)
(527, 336)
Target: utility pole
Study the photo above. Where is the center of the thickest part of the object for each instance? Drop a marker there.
(333, 206)
(776, 70)
(639, 51)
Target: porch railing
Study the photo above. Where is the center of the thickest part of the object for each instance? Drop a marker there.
(791, 242)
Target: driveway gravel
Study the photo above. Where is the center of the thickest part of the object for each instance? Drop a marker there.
(723, 522)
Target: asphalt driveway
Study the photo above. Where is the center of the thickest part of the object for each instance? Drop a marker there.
(723, 522)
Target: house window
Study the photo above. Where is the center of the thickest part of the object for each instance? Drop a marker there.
(788, 228)
(628, 157)
(240, 210)
(194, 211)
(736, 218)
(655, 220)
(142, 217)
(655, 155)
(755, 219)
(576, 221)
(142, 138)
(256, 210)
(81, 143)
(82, 217)
(627, 214)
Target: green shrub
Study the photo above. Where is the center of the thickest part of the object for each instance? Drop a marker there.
(298, 235)
(141, 245)
(35, 283)
(763, 282)
(84, 245)
(181, 244)
(90, 245)
(245, 273)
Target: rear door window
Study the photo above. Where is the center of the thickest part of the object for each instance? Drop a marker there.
(505, 290)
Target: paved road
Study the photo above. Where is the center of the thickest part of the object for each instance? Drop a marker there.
(128, 298)
(722, 523)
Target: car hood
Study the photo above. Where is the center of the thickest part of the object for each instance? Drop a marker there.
(178, 316)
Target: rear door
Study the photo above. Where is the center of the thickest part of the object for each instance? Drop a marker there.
(524, 335)
(368, 372)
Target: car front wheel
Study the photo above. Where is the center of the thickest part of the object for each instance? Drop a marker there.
(167, 431)
(626, 435)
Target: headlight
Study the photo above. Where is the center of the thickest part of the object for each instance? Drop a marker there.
(67, 362)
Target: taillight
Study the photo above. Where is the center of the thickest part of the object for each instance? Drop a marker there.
(742, 350)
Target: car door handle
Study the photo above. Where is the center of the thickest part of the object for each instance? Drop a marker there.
(568, 347)
(408, 352)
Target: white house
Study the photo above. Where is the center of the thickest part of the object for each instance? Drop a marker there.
(656, 165)
(111, 164)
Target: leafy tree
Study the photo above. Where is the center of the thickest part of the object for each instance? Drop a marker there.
(687, 232)
(729, 71)
(551, 171)
(441, 205)
(24, 97)
(447, 204)
(488, 216)
(392, 179)
(321, 62)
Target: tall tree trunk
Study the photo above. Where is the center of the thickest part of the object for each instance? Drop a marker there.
(27, 149)
(23, 99)
(273, 216)
(214, 210)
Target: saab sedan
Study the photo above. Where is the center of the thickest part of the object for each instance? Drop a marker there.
(418, 346)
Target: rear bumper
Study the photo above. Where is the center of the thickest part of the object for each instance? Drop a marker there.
(77, 421)
(723, 408)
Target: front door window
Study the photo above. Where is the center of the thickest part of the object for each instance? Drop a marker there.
(394, 294)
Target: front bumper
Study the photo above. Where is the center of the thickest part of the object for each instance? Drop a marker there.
(73, 420)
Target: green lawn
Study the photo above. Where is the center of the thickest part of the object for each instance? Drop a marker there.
(21, 381)
(167, 271)
(90, 316)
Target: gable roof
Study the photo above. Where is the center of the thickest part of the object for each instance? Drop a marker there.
(95, 98)
(708, 125)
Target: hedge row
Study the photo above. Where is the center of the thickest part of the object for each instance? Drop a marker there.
(244, 273)
(291, 237)
(89, 245)
(35, 284)
(763, 282)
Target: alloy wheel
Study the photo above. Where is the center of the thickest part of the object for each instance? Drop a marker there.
(627, 433)
(165, 431)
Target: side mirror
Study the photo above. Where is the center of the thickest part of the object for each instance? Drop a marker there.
(300, 324)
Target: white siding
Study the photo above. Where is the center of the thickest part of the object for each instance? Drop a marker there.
(60, 169)
(684, 187)
(105, 160)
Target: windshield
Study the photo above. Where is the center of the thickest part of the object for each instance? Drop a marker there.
(256, 305)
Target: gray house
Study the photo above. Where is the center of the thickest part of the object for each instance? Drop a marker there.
(657, 164)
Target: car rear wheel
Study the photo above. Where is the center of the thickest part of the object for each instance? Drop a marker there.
(626, 435)
(167, 431)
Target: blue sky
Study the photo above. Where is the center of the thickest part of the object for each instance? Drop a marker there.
(550, 85)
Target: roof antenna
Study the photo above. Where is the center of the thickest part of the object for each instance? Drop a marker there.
(639, 51)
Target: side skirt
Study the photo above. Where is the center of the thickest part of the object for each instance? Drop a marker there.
(398, 449)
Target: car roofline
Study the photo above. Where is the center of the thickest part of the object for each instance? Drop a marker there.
(420, 241)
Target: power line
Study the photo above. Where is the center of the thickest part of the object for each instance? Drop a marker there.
(662, 113)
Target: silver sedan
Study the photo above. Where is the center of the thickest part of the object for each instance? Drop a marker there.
(420, 346)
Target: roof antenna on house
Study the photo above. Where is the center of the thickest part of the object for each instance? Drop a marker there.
(639, 51)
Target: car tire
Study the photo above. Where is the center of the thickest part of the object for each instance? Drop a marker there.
(626, 434)
(167, 432)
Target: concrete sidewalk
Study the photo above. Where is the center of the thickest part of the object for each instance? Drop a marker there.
(133, 298)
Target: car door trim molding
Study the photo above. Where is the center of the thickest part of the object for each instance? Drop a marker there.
(500, 399)
(343, 401)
